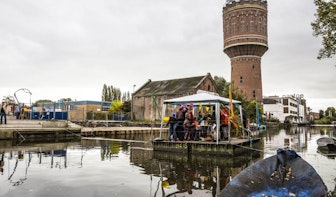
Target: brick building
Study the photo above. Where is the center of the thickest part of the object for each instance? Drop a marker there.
(147, 101)
(245, 42)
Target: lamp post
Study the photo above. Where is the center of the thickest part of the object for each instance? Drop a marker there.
(132, 103)
(26, 91)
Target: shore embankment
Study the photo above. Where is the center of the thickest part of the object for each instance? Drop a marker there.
(45, 128)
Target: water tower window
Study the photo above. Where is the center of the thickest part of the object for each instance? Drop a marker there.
(252, 24)
(242, 25)
(254, 93)
(208, 87)
(227, 29)
(252, 66)
(233, 26)
(259, 25)
(263, 25)
(241, 79)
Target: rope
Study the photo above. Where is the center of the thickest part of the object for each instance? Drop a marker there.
(18, 132)
(254, 149)
(78, 135)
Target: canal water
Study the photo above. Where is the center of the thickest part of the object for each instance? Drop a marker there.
(127, 166)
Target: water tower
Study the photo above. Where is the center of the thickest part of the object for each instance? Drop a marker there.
(245, 42)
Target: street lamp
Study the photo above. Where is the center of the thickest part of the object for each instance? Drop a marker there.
(26, 91)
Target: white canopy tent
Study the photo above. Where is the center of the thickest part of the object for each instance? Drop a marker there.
(201, 98)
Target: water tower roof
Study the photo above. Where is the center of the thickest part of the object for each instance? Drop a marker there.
(231, 1)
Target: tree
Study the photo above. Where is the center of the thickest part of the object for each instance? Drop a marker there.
(126, 96)
(116, 93)
(237, 94)
(9, 100)
(110, 93)
(222, 85)
(324, 25)
(330, 112)
(126, 107)
(105, 93)
(321, 113)
(38, 102)
(116, 106)
(65, 100)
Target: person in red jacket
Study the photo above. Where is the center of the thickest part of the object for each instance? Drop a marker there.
(224, 119)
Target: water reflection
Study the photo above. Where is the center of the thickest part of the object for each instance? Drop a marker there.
(199, 174)
(128, 168)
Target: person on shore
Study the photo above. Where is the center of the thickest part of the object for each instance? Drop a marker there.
(3, 114)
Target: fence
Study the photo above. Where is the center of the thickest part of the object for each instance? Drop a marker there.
(116, 116)
(50, 115)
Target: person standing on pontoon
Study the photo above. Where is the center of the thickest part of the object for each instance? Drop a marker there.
(180, 117)
(170, 123)
(224, 118)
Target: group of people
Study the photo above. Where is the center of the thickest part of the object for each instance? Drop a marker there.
(183, 125)
(183, 120)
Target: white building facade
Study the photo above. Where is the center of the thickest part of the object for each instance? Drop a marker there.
(292, 108)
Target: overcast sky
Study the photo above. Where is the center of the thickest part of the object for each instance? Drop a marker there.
(71, 48)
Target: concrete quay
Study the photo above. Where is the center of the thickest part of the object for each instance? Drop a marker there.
(29, 128)
(25, 129)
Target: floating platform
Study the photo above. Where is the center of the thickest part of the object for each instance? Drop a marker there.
(108, 131)
(236, 146)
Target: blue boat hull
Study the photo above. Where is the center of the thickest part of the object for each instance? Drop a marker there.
(284, 174)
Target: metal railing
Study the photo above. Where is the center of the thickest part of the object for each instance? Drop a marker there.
(116, 116)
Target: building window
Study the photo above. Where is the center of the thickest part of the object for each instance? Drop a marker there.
(241, 79)
(259, 25)
(242, 25)
(251, 24)
(227, 29)
(233, 26)
(286, 110)
(252, 66)
(285, 102)
(254, 93)
(264, 26)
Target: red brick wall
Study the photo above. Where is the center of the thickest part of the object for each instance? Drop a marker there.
(245, 42)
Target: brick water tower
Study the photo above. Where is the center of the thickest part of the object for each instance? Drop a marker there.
(245, 42)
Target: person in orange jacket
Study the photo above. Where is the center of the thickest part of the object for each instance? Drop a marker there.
(224, 120)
